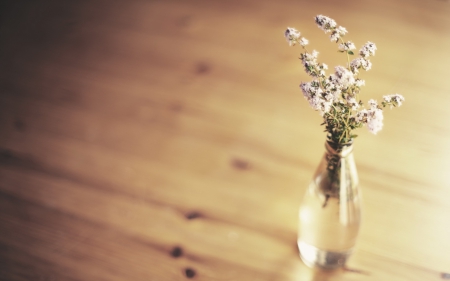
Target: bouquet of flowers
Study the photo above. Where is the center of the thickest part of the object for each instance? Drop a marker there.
(336, 96)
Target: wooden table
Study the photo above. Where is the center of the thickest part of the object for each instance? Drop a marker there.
(168, 140)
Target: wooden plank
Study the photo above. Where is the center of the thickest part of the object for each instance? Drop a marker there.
(142, 222)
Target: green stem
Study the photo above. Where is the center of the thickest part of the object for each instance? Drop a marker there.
(348, 57)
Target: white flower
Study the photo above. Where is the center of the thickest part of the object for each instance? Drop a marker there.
(394, 100)
(303, 42)
(329, 96)
(317, 99)
(315, 102)
(334, 36)
(306, 89)
(343, 78)
(354, 105)
(359, 82)
(322, 67)
(355, 65)
(310, 63)
(325, 23)
(387, 98)
(310, 89)
(375, 120)
(327, 102)
(333, 86)
(362, 116)
(347, 46)
(368, 50)
(398, 99)
(366, 64)
(341, 30)
(292, 36)
(337, 33)
(310, 58)
(326, 106)
(358, 63)
(334, 82)
(350, 45)
(373, 103)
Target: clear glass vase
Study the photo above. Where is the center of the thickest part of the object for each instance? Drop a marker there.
(330, 213)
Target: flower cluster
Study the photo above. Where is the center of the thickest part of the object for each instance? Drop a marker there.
(336, 96)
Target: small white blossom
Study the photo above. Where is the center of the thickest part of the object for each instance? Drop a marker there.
(310, 89)
(310, 63)
(326, 106)
(346, 46)
(373, 103)
(317, 99)
(329, 96)
(337, 33)
(327, 101)
(322, 67)
(334, 36)
(292, 36)
(362, 116)
(366, 64)
(315, 102)
(354, 105)
(387, 98)
(368, 50)
(359, 82)
(343, 77)
(394, 100)
(399, 99)
(333, 86)
(325, 23)
(375, 120)
(358, 63)
(303, 42)
(355, 65)
(350, 45)
(334, 82)
(306, 89)
(341, 30)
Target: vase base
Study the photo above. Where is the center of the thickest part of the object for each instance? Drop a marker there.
(315, 257)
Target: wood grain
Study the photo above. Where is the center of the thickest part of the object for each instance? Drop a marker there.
(168, 140)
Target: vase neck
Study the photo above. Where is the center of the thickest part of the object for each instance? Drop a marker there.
(339, 149)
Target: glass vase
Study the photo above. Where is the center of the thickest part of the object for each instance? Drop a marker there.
(330, 213)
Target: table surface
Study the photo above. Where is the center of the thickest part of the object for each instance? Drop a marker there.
(168, 140)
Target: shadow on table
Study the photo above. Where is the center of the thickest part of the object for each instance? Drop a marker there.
(304, 273)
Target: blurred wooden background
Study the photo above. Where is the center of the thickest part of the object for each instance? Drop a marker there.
(168, 140)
